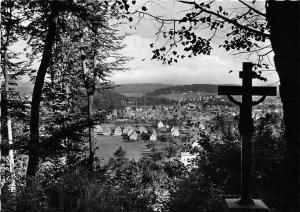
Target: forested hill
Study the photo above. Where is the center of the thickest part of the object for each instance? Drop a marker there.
(203, 88)
(139, 88)
(104, 100)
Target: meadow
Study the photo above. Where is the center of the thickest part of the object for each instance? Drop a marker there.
(107, 145)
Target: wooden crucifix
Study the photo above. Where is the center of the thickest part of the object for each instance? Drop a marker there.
(246, 126)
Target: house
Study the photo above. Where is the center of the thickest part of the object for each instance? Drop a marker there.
(109, 117)
(175, 131)
(106, 131)
(160, 125)
(201, 126)
(173, 128)
(191, 106)
(118, 131)
(153, 137)
(133, 136)
(115, 113)
(143, 129)
(187, 158)
(63, 160)
(126, 129)
(195, 144)
(130, 131)
(98, 129)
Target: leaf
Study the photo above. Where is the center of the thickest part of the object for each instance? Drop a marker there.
(184, 19)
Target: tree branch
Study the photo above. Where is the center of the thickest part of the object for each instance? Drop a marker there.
(256, 50)
(156, 17)
(252, 8)
(85, 14)
(234, 22)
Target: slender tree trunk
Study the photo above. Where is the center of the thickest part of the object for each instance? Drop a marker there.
(4, 102)
(0, 125)
(91, 111)
(36, 96)
(9, 125)
(7, 120)
(11, 158)
(284, 21)
(90, 89)
(0, 145)
(91, 130)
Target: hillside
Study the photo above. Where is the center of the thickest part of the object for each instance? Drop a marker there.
(202, 88)
(134, 90)
(109, 99)
(180, 92)
(104, 100)
(139, 89)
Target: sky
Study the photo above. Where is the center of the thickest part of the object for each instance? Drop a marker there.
(212, 69)
(202, 69)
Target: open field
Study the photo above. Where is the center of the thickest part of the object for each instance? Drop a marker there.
(133, 94)
(107, 145)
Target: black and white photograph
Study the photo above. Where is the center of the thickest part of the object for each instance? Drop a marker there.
(150, 106)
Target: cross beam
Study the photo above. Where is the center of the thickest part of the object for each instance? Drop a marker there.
(254, 91)
(246, 127)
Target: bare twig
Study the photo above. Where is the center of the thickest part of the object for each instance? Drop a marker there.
(252, 8)
(234, 22)
(255, 50)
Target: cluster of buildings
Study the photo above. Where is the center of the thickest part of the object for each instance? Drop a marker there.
(135, 133)
(184, 119)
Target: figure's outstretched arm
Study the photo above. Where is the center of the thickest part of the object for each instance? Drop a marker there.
(233, 100)
(259, 101)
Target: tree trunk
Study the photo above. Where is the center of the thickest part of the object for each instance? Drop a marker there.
(0, 127)
(36, 96)
(0, 152)
(8, 126)
(6, 119)
(284, 21)
(4, 108)
(11, 158)
(91, 130)
(90, 90)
